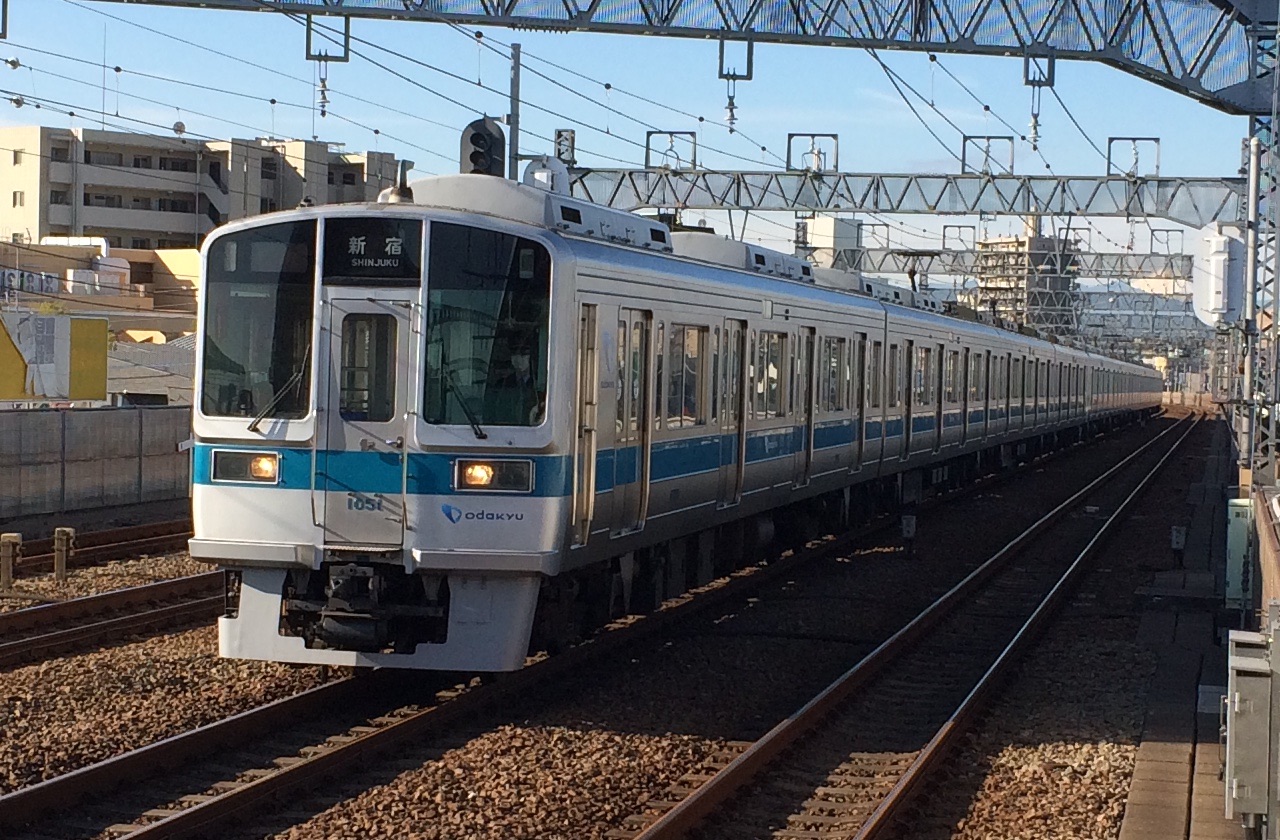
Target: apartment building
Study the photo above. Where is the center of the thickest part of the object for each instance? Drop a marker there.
(142, 191)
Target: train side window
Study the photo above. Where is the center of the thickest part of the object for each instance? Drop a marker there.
(923, 375)
(686, 351)
(621, 380)
(893, 395)
(951, 376)
(715, 374)
(877, 372)
(660, 350)
(855, 370)
(773, 347)
(833, 381)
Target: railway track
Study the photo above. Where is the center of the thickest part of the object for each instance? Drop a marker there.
(94, 547)
(847, 762)
(200, 782)
(36, 633)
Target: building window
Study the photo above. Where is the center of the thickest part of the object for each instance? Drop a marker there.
(142, 161)
(59, 197)
(175, 205)
(266, 205)
(18, 239)
(140, 242)
(19, 198)
(173, 243)
(348, 179)
(177, 165)
(270, 169)
(59, 154)
(17, 157)
(331, 178)
(113, 241)
(140, 203)
(103, 158)
(97, 200)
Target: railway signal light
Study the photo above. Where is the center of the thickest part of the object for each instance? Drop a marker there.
(483, 148)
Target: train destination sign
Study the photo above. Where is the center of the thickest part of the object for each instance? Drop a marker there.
(385, 251)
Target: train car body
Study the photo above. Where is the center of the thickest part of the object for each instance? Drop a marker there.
(424, 429)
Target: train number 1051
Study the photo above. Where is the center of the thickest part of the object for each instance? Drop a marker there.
(357, 502)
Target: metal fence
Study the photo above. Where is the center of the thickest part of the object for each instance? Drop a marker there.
(57, 460)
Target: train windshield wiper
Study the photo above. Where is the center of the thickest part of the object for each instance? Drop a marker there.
(292, 382)
(466, 409)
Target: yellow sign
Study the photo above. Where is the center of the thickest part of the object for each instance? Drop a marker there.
(52, 357)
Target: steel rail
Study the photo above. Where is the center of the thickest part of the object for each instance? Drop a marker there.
(34, 648)
(60, 612)
(27, 804)
(1026, 635)
(715, 792)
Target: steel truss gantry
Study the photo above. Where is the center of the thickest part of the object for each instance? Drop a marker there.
(963, 263)
(1190, 201)
(1207, 50)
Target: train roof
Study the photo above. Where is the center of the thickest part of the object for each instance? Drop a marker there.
(592, 226)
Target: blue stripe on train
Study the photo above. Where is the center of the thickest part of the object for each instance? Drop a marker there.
(431, 473)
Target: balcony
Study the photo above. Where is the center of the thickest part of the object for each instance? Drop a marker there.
(126, 177)
(125, 218)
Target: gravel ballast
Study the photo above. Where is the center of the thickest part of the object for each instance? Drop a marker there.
(108, 577)
(63, 714)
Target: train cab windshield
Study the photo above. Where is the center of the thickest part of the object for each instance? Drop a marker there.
(259, 296)
(488, 296)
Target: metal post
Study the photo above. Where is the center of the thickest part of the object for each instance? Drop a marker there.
(1249, 322)
(513, 118)
(10, 551)
(64, 540)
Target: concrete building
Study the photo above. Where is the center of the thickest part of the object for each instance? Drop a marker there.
(143, 192)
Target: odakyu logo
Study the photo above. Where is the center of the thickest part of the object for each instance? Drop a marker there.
(456, 515)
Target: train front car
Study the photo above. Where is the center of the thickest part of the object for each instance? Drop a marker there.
(374, 452)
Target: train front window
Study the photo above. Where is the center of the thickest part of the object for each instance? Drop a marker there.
(488, 297)
(259, 295)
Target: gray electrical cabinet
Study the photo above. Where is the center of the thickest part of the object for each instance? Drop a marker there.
(1247, 708)
(1238, 591)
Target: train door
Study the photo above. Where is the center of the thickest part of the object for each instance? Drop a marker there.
(364, 402)
(908, 395)
(804, 394)
(966, 385)
(858, 399)
(587, 423)
(634, 401)
(733, 391)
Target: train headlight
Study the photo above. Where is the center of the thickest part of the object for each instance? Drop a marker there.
(258, 467)
(491, 475)
(264, 467)
(477, 475)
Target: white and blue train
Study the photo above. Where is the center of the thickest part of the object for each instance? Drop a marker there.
(430, 430)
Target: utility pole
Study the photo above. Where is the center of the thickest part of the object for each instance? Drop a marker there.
(513, 118)
(1249, 327)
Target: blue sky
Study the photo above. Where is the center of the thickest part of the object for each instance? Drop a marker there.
(796, 89)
